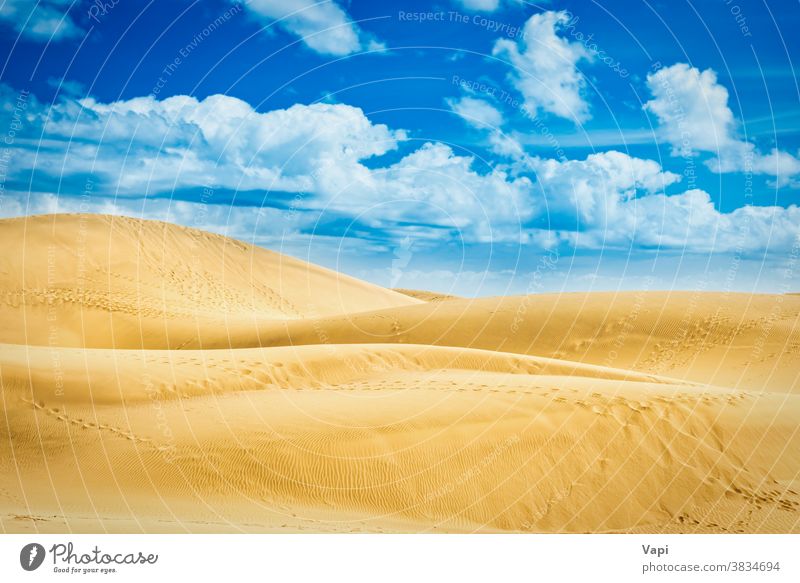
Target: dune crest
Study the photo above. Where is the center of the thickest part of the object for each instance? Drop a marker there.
(107, 281)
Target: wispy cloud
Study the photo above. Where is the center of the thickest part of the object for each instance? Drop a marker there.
(324, 26)
(592, 138)
(40, 20)
(476, 112)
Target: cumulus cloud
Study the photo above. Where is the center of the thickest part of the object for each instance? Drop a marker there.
(138, 153)
(40, 20)
(594, 189)
(546, 67)
(691, 223)
(477, 112)
(692, 108)
(149, 147)
(693, 115)
(145, 146)
(323, 26)
(432, 185)
(619, 202)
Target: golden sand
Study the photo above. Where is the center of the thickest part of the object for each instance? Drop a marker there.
(162, 379)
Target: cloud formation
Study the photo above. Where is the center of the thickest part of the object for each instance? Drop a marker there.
(694, 116)
(479, 5)
(40, 20)
(323, 26)
(477, 112)
(613, 200)
(146, 147)
(143, 150)
(593, 190)
(546, 67)
(621, 204)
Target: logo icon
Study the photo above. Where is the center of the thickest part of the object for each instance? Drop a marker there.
(31, 556)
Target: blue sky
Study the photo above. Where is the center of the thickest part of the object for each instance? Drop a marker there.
(473, 146)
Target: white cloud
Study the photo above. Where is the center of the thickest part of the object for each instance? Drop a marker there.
(143, 147)
(690, 222)
(546, 67)
(432, 185)
(323, 26)
(620, 203)
(479, 5)
(40, 20)
(745, 158)
(694, 116)
(146, 147)
(692, 109)
(506, 145)
(477, 112)
(490, 5)
(595, 189)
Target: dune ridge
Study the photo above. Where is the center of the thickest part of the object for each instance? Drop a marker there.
(161, 379)
(128, 283)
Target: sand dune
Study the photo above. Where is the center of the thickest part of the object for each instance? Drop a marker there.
(735, 340)
(277, 396)
(426, 296)
(100, 281)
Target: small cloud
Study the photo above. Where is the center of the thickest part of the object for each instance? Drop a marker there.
(67, 87)
(40, 20)
(476, 112)
(324, 27)
(479, 5)
(491, 5)
(546, 67)
(693, 116)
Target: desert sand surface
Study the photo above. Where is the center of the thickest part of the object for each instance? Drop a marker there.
(426, 296)
(163, 379)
